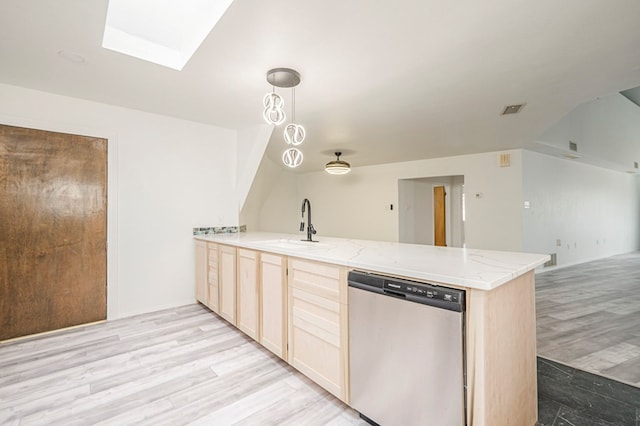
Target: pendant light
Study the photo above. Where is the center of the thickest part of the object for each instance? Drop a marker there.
(337, 166)
(294, 133)
(273, 103)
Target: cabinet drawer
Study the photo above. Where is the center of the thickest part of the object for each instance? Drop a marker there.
(317, 278)
(317, 316)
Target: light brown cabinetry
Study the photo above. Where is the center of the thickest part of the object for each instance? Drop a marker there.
(247, 291)
(501, 354)
(273, 303)
(298, 309)
(213, 300)
(201, 271)
(318, 331)
(227, 282)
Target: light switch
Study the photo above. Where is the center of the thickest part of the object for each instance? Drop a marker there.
(527, 205)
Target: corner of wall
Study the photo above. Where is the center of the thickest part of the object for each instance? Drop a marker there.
(251, 145)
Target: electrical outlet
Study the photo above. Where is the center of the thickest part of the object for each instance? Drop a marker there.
(558, 243)
(527, 204)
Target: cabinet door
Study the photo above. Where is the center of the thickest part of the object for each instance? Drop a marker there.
(318, 333)
(212, 278)
(227, 282)
(201, 271)
(248, 292)
(273, 304)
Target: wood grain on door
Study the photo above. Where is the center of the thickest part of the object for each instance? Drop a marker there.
(53, 223)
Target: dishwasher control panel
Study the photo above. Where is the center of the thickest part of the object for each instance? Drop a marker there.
(419, 292)
(423, 290)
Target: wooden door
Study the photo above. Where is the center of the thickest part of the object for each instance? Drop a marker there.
(227, 282)
(53, 210)
(273, 304)
(248, 292)
(439, 216)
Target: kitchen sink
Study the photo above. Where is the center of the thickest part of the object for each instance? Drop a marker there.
(292, 244)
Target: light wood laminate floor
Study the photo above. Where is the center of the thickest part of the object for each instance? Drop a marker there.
(588, 316)
(173, 367)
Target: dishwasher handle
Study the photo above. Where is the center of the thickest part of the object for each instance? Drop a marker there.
(394, 293)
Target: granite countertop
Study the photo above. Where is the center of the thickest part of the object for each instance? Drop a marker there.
(470, 268)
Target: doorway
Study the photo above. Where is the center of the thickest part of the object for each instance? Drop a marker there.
(431, 211)
(53, 209)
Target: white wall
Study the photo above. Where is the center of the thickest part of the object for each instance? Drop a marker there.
(606, 130)
(273, 203)
(357, 205)
(412, 199)
(251, 144)
(165, 176)
(592, 211)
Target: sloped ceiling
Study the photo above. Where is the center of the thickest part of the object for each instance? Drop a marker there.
(382, 81)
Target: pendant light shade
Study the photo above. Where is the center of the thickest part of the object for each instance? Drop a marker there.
(337, 166)
(273, 109)
(292, 157)
(294, 134)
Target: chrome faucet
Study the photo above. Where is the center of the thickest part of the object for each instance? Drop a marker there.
(310, 229)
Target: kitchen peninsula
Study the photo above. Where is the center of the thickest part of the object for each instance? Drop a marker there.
(291, 296)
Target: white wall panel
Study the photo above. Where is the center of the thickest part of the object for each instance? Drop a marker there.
(357, 205)
(591, 211)
(166, 176)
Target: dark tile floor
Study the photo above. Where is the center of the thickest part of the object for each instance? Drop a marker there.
(571, 397)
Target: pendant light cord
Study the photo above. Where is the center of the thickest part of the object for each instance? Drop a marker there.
(293, 104)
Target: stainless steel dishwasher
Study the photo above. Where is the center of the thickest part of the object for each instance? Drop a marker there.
(406, 344)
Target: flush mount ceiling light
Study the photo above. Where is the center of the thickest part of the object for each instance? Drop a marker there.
(294, 133)
(337, 166)
(166, 33)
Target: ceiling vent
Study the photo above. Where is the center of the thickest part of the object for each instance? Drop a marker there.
(512, 109)
(573, 146)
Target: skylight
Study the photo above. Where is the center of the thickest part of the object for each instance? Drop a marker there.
(166, 32)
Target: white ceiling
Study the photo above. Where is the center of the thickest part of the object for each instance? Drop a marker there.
(383, 81)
